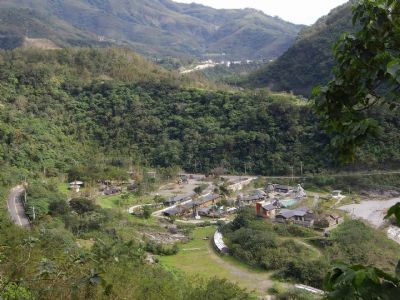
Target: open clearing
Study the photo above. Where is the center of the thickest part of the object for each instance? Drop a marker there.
(198, 257)
(371, 211)
(173, 189)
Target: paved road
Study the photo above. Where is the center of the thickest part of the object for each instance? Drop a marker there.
(16, 209)
(351, 174)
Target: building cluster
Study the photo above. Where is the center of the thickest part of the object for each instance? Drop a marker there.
(205, 205)
(191, 206)
(275, 207)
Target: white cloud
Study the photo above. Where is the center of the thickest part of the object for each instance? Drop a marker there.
(296, 11)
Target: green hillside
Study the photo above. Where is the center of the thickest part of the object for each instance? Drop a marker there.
(154, 28)
(92, 114)
(60, 107)
(310, 60)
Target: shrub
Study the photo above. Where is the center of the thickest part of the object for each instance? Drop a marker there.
(82, 205)
(58, 208)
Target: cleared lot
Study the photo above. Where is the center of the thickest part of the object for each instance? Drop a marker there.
(372, 211)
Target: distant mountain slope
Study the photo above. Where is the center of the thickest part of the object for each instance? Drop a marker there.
(152, 27)
(309, 61)
(18, 23)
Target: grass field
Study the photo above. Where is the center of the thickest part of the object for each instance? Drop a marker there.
(109, 201)
(115, 201)
(198, 257)
(63, 188)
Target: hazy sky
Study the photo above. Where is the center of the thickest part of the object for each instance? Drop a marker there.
(296, 11)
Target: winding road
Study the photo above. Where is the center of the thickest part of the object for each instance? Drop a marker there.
(16, 208)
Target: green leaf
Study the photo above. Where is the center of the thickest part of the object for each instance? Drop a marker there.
(394, 210)
(393, 69)
(359, 278)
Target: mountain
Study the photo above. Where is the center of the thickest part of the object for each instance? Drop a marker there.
(151, 27)
(310, 60)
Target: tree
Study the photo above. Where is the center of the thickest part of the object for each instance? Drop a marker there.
(82, 205)
(360, 282)
(58, 207)
(367, 74)
(146, 212)
(13, 291)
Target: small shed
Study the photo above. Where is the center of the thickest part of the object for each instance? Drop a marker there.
(75, 186)
(337, 194)
(329, 220)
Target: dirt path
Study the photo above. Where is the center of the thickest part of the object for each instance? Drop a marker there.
(252, 280)
(312, 248)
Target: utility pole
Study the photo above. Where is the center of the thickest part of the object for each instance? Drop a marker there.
(33, 213)
(301, 168)
(292, 173)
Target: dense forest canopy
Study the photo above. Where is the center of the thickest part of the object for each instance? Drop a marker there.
(60, 107)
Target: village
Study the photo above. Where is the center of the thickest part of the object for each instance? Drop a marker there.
(196, 198)
(183, 219)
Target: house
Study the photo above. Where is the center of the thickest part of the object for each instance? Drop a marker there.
(251, 199)
(180, 209)
(178, 199)
(191, 205)
(285, 189)
(328, 220)
(267, 209)
(75, 186)
(204, 212)
(300, 216)
(206, 200)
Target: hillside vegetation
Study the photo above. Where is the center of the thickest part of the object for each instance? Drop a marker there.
(61, 107)
(301, 254)
(309, 61)
(153, 28)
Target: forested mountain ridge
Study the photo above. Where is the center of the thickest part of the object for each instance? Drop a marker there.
(153, 28)
(62, 107)
(309, 61)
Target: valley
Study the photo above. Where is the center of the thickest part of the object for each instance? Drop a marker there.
(161, 150)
